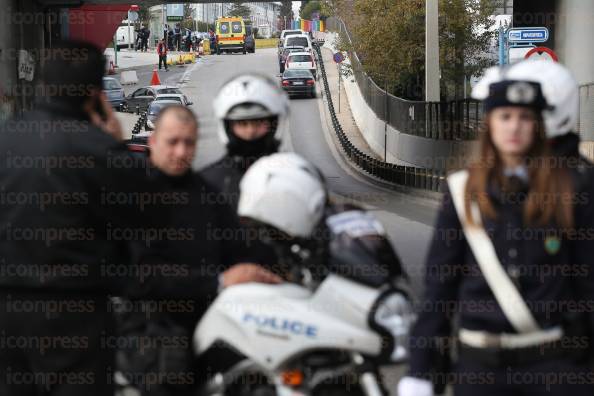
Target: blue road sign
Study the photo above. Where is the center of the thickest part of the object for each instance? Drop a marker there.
(528, 35)
(338, 57)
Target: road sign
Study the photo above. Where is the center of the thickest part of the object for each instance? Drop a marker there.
(528, 35)
(175, 12)
(132, 16)
(542, 53)
(517, 54)
(338, 57)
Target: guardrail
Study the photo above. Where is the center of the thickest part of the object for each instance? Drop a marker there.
(408, 176)
(139, 123)
(453, 120)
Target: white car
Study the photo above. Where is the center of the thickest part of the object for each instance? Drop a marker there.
(181, 98)
(300, 40)
(301, 61)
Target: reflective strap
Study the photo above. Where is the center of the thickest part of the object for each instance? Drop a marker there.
(508, 297)
(482, 339)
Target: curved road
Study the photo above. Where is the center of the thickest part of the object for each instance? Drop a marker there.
(407, 218)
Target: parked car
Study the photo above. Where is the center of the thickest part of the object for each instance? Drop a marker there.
(299, 82)
(114, 92)
(250, 41)
(301, 61)
(180, 98)
(153, 111)
(142, 97)
(138, 149)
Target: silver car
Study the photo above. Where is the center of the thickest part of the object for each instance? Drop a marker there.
(114, 92)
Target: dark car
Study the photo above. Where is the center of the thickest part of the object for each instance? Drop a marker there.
(142, 97)
(299, 82)
(153, 111)
(282, 59)
(250, 41)
(114, 92)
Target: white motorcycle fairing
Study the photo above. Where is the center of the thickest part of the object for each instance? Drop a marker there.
(271, 324)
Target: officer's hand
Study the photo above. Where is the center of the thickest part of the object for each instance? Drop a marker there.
(248, 272)
(411, 386)
(109, 123)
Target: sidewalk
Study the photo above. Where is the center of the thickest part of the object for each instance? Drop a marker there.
(130, 59)
(345, 116)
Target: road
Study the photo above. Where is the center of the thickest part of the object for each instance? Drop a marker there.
(407, 218)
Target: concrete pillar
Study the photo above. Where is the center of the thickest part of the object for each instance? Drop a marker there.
(574, 32)
(432, 93)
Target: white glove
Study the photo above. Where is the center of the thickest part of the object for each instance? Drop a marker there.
(411, 386)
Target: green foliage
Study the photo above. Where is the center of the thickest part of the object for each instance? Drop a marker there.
(286, 9)
(240, 9)
(389, 37)
(313, 6)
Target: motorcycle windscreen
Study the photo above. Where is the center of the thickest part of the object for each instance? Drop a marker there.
(358, 249)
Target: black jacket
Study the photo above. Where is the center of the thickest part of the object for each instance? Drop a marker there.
(552, 282)
(225, 175)
(66, 186)
(192, 240)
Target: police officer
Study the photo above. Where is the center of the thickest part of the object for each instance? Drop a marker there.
(188, 243)
(509, 256)
(252, 115)
(61, 197)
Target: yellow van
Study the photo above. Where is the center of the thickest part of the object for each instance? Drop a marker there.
(230, 35)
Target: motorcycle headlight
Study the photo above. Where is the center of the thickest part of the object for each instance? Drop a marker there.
(393, 318)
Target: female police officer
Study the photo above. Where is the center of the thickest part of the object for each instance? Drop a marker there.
(510, 261)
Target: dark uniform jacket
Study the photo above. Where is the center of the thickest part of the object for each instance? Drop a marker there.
(225, 175)
(554, 274)
(65, 188)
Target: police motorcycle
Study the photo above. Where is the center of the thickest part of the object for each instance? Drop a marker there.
(329, 327)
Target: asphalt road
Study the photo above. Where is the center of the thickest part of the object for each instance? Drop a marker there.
(408, 219)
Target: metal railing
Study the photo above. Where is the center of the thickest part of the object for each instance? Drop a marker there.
(453, 120)
(139, 123)
(409, 176)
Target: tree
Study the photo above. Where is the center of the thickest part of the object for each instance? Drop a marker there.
(286, 13)
(389, 38)
(240, 9)
(188, 19)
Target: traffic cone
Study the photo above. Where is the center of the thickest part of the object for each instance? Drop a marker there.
(155, 80)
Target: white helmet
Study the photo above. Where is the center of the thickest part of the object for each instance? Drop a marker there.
(284, 191)
(492, 75)
(251, 96)
(559, 88)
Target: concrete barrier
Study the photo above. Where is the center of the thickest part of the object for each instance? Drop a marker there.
(267, 43)
(389, 143)
(129, 77)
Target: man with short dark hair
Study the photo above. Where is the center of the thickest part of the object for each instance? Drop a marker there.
(63, 199)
